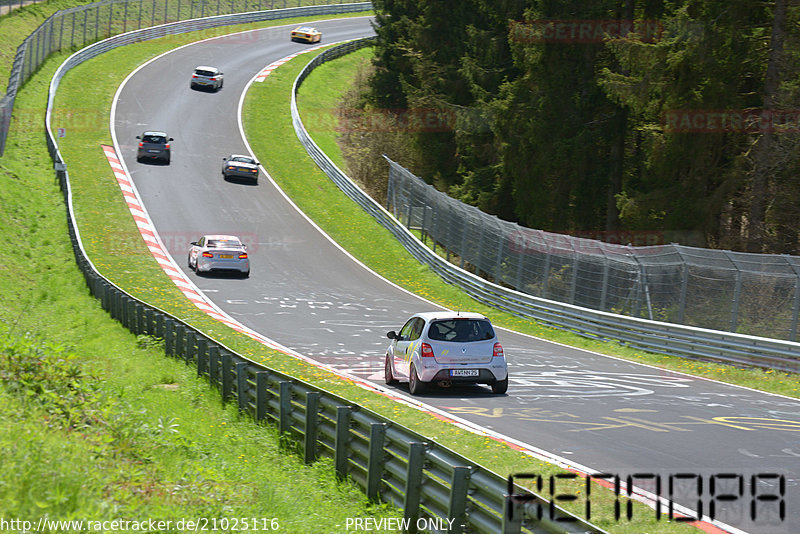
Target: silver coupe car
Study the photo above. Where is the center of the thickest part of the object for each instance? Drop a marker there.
(446, 348)
(219, 253)
(240, 166)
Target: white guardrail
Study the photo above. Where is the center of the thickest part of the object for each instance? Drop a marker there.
(653, 336)
(431, 483)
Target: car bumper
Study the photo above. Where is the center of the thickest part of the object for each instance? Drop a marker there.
(159, 154)
(242, 266)
(241, 174)
(486, 374)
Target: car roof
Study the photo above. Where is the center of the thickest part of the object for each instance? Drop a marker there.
(206, 67)
(162, 134)
(240, 156)
(305, 29)
(439, 315)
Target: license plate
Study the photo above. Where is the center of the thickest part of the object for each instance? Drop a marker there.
(464, 372)
(226, 256)
(154, 151)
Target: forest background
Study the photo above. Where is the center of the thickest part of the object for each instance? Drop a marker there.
(671, 120)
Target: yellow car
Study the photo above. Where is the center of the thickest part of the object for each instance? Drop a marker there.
(307, 34)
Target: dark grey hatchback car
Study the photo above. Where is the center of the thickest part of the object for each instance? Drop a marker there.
(153, 146)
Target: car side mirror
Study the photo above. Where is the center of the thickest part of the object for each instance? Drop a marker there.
(193, 243)
(392, 334)
(138, 137)
(224, 159)
(171, 138)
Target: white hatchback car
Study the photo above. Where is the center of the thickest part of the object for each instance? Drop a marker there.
(219, 253)
(446, 348)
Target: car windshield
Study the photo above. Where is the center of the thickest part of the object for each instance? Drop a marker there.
(461, 330)
(242, 159)
(223, 243)
(158, 139)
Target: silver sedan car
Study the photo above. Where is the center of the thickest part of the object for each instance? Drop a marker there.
(241, 167)
(446, 348)
(219, 253)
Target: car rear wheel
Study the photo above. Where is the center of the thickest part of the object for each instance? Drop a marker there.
(387, 372)
(500, 386)
(415, 385)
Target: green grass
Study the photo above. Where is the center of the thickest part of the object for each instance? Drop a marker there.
(99, 425)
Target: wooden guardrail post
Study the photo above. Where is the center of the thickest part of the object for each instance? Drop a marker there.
(375, 462)
(261, 395)
(169, 336)
(202, 347)
(226, 364)
(312, 427)
(140, 326)
(180, 340)
(413, 493)
(285, 403)
(242, 389)
(342, 440)
(457, 508)
(213, 365)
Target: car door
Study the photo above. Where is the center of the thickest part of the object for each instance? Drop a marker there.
(400, 348)
(411, 346)
(195, 250)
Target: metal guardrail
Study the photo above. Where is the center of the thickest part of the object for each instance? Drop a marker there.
(653, 336)
(389, 461)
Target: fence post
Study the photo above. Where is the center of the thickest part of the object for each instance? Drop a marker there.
(169, 336)
(149, 327)
(227, 375)
(213, 365)
(413, 493)
(737, 293)
(242, 386)
(202, 348)
(795, 300)
(377, 435)
(180, 340)
(512, 515)
(457, 508)
(261, 395)
(312, 424)
(684, 291)
(342, 440)
(285, 404)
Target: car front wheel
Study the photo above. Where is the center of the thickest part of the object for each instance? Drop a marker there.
(387, 372)
(500, 386)
(415, 385)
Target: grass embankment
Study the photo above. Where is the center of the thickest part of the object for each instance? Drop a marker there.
(96, 424)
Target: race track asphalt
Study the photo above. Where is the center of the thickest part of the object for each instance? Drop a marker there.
(603, 413)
